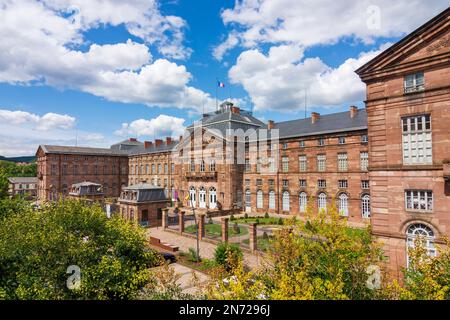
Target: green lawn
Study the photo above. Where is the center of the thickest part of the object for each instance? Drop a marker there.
(215, 230)
(261, 220)
(263, 243)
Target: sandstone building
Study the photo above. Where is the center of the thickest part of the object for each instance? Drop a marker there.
(408, 108)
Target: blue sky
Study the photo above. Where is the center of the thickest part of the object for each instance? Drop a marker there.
(93, 72)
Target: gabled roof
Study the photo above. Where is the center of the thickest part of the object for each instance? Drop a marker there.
(408, 45)
(82, 150)
(23, 179)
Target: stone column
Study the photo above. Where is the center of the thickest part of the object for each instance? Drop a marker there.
(181, 222)
(201, 226)
(253, 236)
(165, 213)
(224, 229)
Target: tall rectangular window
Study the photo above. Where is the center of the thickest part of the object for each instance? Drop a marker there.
(248, 166)
(419, 200)
(342, 184)
(64, 169)
(321, 162)
(416, 140)
(302, 183)
(272, 165)
(414, 82)
(285, 183)
(365, 184)
(364, 161)
(302, 163)
(285, 164)
(342, 162)
(321, 142)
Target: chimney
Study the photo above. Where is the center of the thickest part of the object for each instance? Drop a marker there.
(235, 110)
(158, 142)
(132, 139)
(353, 111)
(168, 140)
(181, 138)
(270, 124)
(314, 117)
(148, 144)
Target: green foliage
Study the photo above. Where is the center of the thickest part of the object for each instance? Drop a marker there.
(3, 184)
(192, 255)
(266, 215)
(227, 255)
(16, 205)
(246, 215)
(257, 221)
(280, 221)
(11, 169)
(232, 217)
(37, 247)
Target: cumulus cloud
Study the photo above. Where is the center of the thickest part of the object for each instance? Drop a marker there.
(279, 80)
(46, 122)
(47, 50)
(22, 132)
(161, 126)
(219, 51)
(308, 23)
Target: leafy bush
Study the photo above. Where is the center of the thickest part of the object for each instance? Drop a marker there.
(257, 220)
(37, 247)
(280, 221)
(192, 255)
(266, 215)
(232, 217)
(227, 255)
(246, 215)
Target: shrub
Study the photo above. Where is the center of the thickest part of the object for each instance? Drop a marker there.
(232, 217)
(257, 220)
(265, 236)
(266, 215)
(280, 221)
(227, 255)
(246, 215)
(192, 255)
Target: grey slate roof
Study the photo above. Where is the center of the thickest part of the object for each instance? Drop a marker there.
(127, 145)
(86, 184)
(154, 149)
(23, 179)
(83, 150)
(328, 123)
(146, 193)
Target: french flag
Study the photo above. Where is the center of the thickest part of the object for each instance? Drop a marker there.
(220, 84)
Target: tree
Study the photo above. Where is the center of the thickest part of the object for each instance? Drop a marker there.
(426, 278)
(3, 184)
(319, 259)
(38, 247)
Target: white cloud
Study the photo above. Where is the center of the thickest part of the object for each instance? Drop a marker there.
(22, 132)
(278, 80)
(308, 23)
(161, 126)
(44, 50)
(231, 41)
(46, 122)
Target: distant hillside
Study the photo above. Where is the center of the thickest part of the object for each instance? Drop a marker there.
(19, 159)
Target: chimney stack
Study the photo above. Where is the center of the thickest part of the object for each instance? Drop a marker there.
(181, 138)
(158, 142)
(132, 139)
(168, 140)
(353, 111)
(270, 124)
(235, 110)
(314, 117)
(148, 144)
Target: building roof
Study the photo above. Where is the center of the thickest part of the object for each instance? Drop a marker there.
(146, 193)
(83, 150)
(163, 147)
(127, 144)
(328, 123)
(23, 179)
(86, 184)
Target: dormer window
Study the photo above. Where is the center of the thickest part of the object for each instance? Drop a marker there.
(414, 82)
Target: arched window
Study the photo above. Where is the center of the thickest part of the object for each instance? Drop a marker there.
(425, 233)
(322, 201)
(202, 197)
(343, 204)
(192, 196)
(259, 199)
(271, 199)
(285, 201)
(212, 198)
(248, 200)
(365, 206)
(302, 201)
